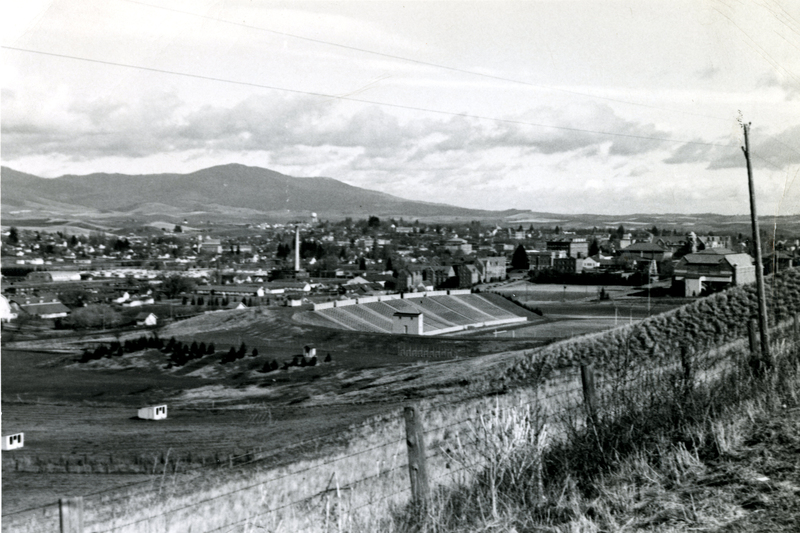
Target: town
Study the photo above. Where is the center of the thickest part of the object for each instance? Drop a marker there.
(153, 275)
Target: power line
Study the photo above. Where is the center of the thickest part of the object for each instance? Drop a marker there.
(360, 100)
(418, 61)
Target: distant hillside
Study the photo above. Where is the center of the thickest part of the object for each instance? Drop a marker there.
(214, 189)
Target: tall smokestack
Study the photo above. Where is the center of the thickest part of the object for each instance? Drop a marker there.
(297, 248)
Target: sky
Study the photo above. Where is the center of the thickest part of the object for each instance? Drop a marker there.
(607, 107)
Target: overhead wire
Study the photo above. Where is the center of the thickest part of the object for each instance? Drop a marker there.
(418, 61)
(361, 100)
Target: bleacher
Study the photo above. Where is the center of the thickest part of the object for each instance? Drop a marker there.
(441, 312)
(361, 311)
(487, 306)
(351, 321)
(432, 305)
(473, 313)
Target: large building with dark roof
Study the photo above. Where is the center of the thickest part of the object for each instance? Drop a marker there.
(711, 270)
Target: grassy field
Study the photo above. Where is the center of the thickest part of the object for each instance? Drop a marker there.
(350, 479)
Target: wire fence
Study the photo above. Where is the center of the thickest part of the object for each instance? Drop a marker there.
(330, 489)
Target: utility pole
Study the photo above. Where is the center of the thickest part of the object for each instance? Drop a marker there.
(762, 298)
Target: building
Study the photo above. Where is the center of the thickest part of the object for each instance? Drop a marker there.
(468, 275)
(7, 313)
(545, 260)
(712, 270)
(408, 323)
(213, 246)
(491, 268)
(569, 265)
(455, 245)
(574, 246)
(52, 277)
(643, 252)
(408, 278)
(44, 308)
(437, 276)
(146, 319)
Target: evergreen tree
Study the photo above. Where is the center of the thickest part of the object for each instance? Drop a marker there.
(520, 261)
(254, 353)
(328, 358)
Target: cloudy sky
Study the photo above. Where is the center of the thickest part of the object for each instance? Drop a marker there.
(561, 106)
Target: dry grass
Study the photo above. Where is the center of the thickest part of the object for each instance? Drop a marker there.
(720, 458)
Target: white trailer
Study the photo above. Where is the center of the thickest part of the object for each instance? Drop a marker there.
(12, 442)
(154, 412)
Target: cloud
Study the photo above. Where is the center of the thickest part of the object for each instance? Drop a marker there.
(162, 123)
(773, 151)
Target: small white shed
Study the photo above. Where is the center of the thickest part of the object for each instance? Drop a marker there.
(154, 412)
(12, 442)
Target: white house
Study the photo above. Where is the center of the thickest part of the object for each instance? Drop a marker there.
(6, 313)
(155, 412)
(12, 442)
(146, 319)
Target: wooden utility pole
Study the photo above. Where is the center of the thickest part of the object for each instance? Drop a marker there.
(766, 357)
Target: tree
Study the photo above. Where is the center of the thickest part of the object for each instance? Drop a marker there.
(373, 222)
(74, 297)
(620, 231)
(328, 358)
(13, 236)
(254, 353)
(520, 261)
(594, 248)
(177, 229)
(175, 285)
(92, 316)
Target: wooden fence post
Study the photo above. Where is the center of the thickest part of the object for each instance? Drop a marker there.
(752, 334)
(589, 397)
(417, 468)
(70, 511)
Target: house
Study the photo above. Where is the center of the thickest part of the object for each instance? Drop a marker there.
(643, 252)
(491, 268)
(591, 264)
(711, 270)
(146, 319)
(7, 314)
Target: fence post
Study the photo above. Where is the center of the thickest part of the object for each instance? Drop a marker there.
(589, 397)
(752, 334)
(417, 468)
(70, 511)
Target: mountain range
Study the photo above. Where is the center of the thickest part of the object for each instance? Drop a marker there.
(234, 190)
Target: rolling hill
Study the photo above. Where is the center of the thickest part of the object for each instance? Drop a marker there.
(220, 189)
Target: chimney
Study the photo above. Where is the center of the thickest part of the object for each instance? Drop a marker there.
(297, 248)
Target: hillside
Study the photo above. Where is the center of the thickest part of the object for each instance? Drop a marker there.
(220, 189)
